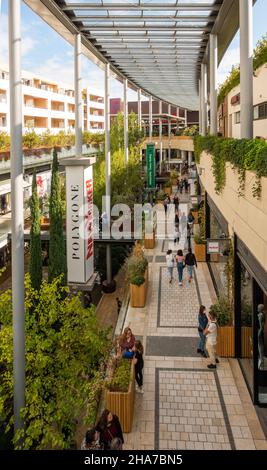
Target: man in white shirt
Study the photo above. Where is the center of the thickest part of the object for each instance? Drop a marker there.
(211, 332)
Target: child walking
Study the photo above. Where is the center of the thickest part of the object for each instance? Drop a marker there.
(139, 365)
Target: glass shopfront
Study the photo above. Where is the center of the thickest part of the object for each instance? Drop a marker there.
(251, 322)
(217, 229)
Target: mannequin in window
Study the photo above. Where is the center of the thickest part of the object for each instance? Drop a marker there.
(261, 318)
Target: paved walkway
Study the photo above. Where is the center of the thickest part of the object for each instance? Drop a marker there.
(185, 405)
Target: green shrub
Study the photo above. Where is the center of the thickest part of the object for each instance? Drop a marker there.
(121, 376)
(161, 195)
(137, 265)
(4, 141)
(31, 139)
(260, 58)
(190, 131)
(222, 310)
(199, 240)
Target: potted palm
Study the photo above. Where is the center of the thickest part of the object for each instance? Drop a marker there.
(173, 177)
(160, 196)
(195, 212)
(138, 274)
(226, 337)
(149, 236)
(200, 238)
(120, 391)
(168, 187)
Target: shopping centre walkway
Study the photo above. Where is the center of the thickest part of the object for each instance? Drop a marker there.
(185, 405)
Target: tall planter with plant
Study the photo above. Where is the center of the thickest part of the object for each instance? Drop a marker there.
(35, 267)
(138, 274)
(200, 238)
(226, 337)
(120, 391)
(57, 250)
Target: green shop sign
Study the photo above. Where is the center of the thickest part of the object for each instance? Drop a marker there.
(150, 165)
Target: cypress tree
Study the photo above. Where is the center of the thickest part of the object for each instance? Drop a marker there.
(57, 249)
(35, 267)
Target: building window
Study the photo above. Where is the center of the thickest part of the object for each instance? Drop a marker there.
(260, 111)
(237, 117)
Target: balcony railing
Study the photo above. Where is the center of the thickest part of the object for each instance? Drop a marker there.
(45, 156)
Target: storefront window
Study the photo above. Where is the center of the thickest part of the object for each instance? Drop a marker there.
(246, 325)
(218, 262)
(262, 350)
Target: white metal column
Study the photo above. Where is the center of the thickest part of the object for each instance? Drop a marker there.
(185, 118)
(108, 165)
(139, 109)
(246, 68)
(160, 137)
(213, 83)
(204, 98)
(125, 107)
(169, 134)
(17, 210)
(200, 106)
(78, 96)
(150, 118)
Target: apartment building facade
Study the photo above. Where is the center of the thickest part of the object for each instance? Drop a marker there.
(49, 105)
(229, 111)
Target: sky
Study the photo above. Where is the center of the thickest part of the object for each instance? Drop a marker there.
(45, 53)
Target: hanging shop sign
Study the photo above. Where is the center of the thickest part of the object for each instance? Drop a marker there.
(150, 165)
(79, 223)
(218, 246)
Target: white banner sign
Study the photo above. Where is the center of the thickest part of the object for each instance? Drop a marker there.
(79, 196)
(213, 247)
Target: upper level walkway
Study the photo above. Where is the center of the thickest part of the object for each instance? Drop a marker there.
(178, 142)
(185, 405)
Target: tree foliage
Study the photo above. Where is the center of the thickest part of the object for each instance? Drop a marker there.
(35, 267)
(57, 248)
(126, 182)
(260, 58)
(66, 353)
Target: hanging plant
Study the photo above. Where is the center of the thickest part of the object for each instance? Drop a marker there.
(242, 154)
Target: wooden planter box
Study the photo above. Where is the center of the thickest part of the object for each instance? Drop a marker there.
(195, 215)
(168, 190)
(122, 403)
(149, 243)
(246, 345)
(200, 252)
(226, 341)
(138, 293)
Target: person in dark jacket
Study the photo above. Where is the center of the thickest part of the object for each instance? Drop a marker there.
(202, 325)
(109, 428)
(139, 365)
(190, 262)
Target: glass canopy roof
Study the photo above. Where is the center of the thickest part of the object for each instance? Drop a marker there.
(158, 45)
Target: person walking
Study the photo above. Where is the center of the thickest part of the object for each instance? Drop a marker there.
(139, 365)
(190, 262)
(176, 202)
(190, 221)
(176, 234)
(109, 428)
(211, 333)
(180, 260)
(202, 325)
(170, 264)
